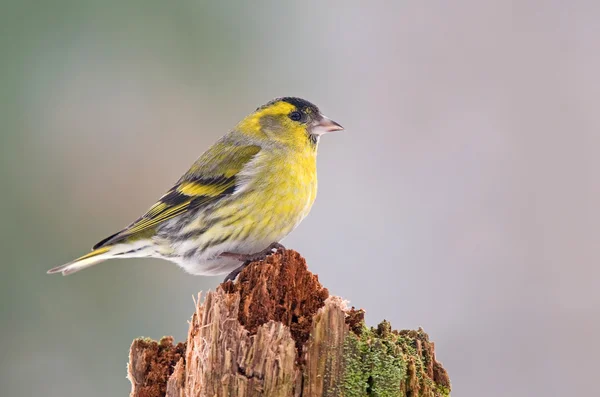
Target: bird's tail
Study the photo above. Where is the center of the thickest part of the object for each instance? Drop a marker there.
(96, 256)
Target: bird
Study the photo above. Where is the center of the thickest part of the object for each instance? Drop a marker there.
(236, 202)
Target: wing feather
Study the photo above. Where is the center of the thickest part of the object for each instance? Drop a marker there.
(212, 177)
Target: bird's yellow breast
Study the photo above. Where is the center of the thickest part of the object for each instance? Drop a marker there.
(279, 192)
(283, 196)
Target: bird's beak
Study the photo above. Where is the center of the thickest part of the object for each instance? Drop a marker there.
(325, 125)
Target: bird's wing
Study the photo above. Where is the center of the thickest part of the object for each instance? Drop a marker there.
(213, 176)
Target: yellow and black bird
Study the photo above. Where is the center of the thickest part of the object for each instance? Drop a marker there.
(237, 201)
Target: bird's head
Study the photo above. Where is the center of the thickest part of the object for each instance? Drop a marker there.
(290, 121)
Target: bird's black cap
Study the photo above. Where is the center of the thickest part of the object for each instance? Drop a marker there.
(300, 104)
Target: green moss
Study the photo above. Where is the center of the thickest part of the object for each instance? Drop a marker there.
(355, 381)
(145, 339)
(381, 362)
(443, 391)
(388, 368)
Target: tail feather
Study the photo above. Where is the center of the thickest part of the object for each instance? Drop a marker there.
(94, 257)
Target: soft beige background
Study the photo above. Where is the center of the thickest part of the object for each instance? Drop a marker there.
(463, 196)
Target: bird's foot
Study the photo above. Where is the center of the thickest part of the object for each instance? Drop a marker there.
(253, 257)
(249, 258)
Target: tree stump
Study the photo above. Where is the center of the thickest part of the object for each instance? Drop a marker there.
(276, 332)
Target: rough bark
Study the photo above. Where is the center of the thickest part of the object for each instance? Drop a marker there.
(277, 332)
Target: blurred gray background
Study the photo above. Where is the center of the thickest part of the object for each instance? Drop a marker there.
(462, 197)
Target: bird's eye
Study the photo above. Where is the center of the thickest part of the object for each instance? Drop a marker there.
(296, 116)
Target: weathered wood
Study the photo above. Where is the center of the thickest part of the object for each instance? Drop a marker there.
(277, 332)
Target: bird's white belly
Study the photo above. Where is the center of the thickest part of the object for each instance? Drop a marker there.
(208, 262)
